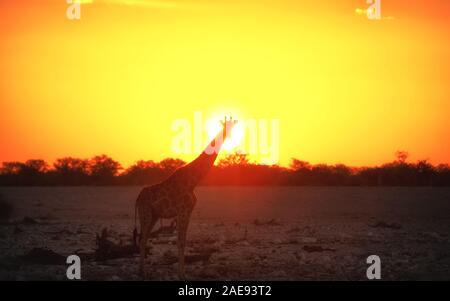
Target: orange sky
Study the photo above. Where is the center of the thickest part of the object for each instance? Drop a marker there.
(344, 88)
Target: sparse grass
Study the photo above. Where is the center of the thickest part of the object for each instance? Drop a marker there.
(6, 209)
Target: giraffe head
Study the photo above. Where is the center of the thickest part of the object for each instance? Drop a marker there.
(227, 126)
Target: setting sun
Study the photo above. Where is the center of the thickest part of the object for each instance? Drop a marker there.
(231, 143)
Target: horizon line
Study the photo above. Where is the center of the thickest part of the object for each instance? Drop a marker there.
(221, 158)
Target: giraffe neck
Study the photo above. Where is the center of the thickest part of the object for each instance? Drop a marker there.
(206, 159)
(191, 174)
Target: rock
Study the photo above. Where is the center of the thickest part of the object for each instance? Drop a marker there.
(29, 221)
(115, 278)
(256, 241)
(271, 222)
(65, 232)
(172, 240)
(170, 258)
(17, 230)
(243, 243)
(43, 256)
(349, 259)
(279, 274)
(221, 239)
(81, 231)
(311, 249)
(326, 258)
(205, 249)
(291, 258)
(433, 235)
(299, 256)
(222, 258)
(293, 230)
(345, 235)
(382, 224)
(107, 249)
(308, 240)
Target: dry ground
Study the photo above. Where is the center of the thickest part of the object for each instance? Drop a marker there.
(286, 233)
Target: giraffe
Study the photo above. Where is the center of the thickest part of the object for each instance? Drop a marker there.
(174, 197)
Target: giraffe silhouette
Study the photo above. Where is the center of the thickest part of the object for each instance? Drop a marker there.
(174, 197)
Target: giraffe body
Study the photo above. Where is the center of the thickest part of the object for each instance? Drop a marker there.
(175, 197)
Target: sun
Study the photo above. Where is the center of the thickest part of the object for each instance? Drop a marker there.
(231, 143)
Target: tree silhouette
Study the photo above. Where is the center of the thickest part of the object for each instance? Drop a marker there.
(35, 166)
(401, 156)
(142, 172)
(72, 171)
(103, 169)
(170, 164)
(29, 173)
(299, 164)
(425, 172)
(11, 168)
(71, 165)
(442, 175)
(234, 160)
(234, 169)
(142, 165)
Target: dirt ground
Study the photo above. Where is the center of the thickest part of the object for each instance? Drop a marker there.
(284, 233)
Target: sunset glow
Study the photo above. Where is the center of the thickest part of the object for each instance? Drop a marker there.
(233, 141)
(344, 88)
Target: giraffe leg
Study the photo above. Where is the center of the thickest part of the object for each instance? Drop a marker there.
(143, 245)
(146, 229)
(182, 225)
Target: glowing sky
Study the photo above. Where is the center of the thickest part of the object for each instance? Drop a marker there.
(344, 88)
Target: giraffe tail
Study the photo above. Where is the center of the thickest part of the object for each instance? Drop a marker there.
(135, 231)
